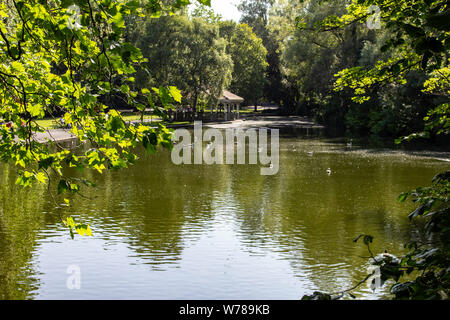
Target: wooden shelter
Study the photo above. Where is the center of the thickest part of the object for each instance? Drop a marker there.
(227, 109)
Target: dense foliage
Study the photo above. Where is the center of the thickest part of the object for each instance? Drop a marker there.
(187, 53)
(256, 14)
(347, 68)
(249, 61)
(67, 59)
(201, 55)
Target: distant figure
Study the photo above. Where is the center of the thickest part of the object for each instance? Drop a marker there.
(10, 126)
(350, 143)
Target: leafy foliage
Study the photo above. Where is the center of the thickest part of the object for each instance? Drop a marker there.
(206, 13)
(81, 229)
(256, 14)
(339, 68)
(201, 55)
(67, 59)
(187, 53)
(249, 61)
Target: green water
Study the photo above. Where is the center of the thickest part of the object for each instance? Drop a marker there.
(213, 232)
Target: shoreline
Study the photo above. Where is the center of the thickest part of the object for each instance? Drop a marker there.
(276, 122)
(269, 121)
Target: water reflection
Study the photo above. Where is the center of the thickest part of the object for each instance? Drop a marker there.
(213, 232)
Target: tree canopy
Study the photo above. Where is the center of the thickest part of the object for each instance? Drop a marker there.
(249, 58)
(187, 53)
(377, 66)
(201, 55)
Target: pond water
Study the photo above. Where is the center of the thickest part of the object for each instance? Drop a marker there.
(162, 231)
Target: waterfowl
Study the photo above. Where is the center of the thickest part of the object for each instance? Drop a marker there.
(386, 257)
(349, 144)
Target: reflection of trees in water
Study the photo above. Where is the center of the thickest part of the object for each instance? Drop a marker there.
(151, 204)
(254, 195)
(313, 218)
(20, 217)
(159, 209)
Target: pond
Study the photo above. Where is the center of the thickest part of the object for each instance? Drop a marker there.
(162, 231)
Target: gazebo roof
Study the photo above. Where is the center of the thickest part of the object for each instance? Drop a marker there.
(228, 97)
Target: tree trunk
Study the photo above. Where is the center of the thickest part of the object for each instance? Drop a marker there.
(194, 107)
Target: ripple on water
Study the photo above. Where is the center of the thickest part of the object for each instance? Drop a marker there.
(215, 232)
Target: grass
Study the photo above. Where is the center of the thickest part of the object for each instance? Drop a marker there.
(177, 123)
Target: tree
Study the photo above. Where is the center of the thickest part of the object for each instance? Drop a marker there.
(418, 31)
(206, 13)
(188, 53)
(249, 59)
(62, 58)
(312, 51)
(310, 59)
(255, 13)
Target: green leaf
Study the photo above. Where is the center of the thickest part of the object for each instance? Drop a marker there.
(41, 177)
(175, 93)
(63, 186)
(403, 197)
(124, 88)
